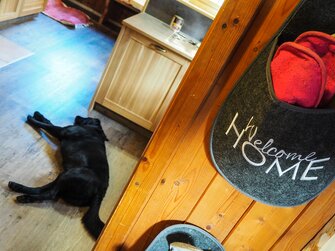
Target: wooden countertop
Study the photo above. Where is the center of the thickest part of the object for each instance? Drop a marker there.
(161, 33)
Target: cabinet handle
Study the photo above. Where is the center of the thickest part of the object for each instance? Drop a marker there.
(158, 48)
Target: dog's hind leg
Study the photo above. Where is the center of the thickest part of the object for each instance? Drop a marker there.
(34, 194)
(16, 187)
(91, 219)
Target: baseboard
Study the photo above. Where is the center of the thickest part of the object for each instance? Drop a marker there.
(126, 122)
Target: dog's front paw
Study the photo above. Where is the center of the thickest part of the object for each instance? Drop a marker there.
(38, 116)
(30, 119)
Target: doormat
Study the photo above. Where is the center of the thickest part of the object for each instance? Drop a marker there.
(58, 11)
(11, 52)
(275, 152)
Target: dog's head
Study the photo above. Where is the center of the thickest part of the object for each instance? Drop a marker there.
(91, 122)
(86, 121)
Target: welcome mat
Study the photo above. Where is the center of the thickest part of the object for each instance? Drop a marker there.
(11, 52)
(275, 152)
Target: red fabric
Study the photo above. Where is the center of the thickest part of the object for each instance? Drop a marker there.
(298, 75)
(56, 9)
(303, 71)
(323, 45)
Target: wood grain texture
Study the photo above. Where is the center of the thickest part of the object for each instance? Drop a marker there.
(10, 9)
(220, 208)
(323, 238)
(261, 227)
(163, 190)
(175, 135)
(32, 7)
(268, 21)
(314, 217)
(140, 80)
(59, 81)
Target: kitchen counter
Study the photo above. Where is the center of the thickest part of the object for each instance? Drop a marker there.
(161, 33)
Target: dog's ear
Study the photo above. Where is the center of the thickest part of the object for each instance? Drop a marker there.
(101, 132)
(104, 135)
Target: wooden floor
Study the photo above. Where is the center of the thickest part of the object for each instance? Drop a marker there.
(58, 80)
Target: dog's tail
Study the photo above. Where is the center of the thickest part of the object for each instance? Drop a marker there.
(91, 219)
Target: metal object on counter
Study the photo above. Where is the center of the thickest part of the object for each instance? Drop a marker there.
(177, 23)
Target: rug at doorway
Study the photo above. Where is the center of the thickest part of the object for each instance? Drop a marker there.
(57, 10)
(10, 52)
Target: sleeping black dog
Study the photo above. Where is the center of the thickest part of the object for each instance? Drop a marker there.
(84, 180)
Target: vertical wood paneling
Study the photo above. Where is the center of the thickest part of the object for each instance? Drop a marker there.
(140, 79)
(316, 215)
(261, 227)
(10, 9)
(180, 188)
(207, 213)
(160, 155)
(324, 237)
(220, 207)
(175, 181)
(10, 6)
(32, 6)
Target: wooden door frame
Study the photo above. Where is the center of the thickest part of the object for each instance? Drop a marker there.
(231, 44)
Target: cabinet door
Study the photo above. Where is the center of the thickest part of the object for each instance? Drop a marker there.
(141, 79)
(32, 7)
(9, 9)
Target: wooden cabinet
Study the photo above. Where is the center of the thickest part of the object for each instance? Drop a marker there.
(32, 6)
(10, 9)
(141, 78)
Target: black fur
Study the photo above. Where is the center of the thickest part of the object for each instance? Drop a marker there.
(84, 180)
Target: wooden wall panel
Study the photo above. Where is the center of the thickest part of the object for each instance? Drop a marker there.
(269, 20)
(220, 208)
(171, 131)
(261, 227)
(176, 181)
(314, 217)
(324, 237)
(181, 187)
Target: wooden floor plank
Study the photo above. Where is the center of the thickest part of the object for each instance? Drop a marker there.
(59, 80)
(11, 52)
